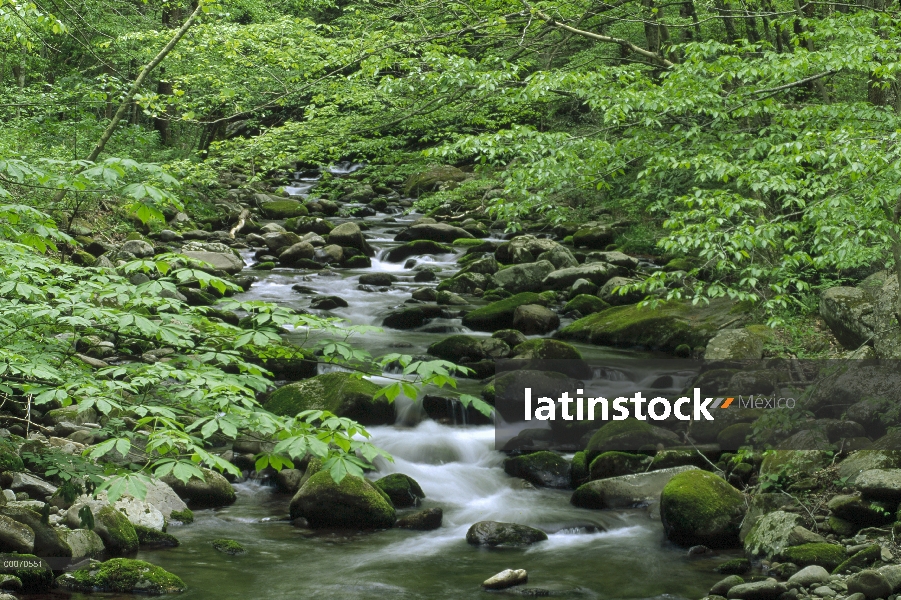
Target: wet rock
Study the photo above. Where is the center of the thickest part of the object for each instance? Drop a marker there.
(613, 257)
(722, 587)
(402, 489)
(769, 589)
(697, 507)
(328, 303)
(485, 266)
(283, 209)
(499, 315)
(349, 235)
(425, 294)
(424, 520)
(220, 261)
(628, 435)
(464, 348)
(433, 232)
(861, 512)
(809, 576)
(506, 579)
(585, 305)
(534, 319)
(296, 252)
(15, 537)
(227, 546)
(523, 278)
(151, 538)
(354, 503)
(31, 485)
(512, 337)
(826, 555)
(214, 490)
(277, 240)
(625, 491)
(124, 576)
(495, 534)
(417, 248)
(544, 469)
(288, 480)
(338, 392)
(560, 257)
(871, 583)
(615, 464)
(377, 279)
(413, 317)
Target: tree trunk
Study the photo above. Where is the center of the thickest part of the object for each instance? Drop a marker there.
(725, 10)
(161, 121)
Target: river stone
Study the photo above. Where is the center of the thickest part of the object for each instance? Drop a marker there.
(211, 491)
(296, 252)
(412, 317)
(871, 583)
(671, 324)
(809, 576)
(560, 257)
(123, 576)
(466, 348)
(485, 266)
(288, 480)
(545, 469)
(772, 534)
(15, 537)
(596, 273)
(722, 587)
(861, 512)
(768, 589)
(610, 293)
(523, 249)
(505, 579)
(424, 520)
(499, 315)
(47, 539)
(82, 543)
(734, 344)
(338, 392)
(139, 248)
(628, 435)
(417, 248)
(433, 232)
(403, 490)
(377, 279)
(431, 179)
(526, 277)
(880, 484)
(328, 303)
(352, 504)
(864, 460)
(496, 534)
(349, 235)
(625, 491)
(697, 507)
(534, 319)
(113, 527)
(848, 312)
(596, 237)
(283, 209)
(614, 257)
(220, 261)
(31, 485)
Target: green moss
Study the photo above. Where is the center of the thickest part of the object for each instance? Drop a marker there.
(120, 535)
(614, 464)
(303, 225)
(467, 242)
(9, 457)
(285, 360)
(228, 546)
(546, 349)
(682, 264)
(697, 507)
(579, 469)
(340, 393)
(186, 516)
(629, 434)
(499, 315)
(666, 459)
(736, 566)
(151, 538)
(860, 560)
(670, 324)
(353, 502)
(360, 261)
(403, 491)
(34, 580)
(586, 305)
(122, 575)
(828, 556)
(264, 266)
(548, 297)
(283, 209)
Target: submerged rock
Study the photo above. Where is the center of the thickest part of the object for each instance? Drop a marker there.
(354, 503)
(496, 534)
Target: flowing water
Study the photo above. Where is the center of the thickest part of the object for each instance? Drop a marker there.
(589, 554)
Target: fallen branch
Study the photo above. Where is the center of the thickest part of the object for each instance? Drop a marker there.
(242, 218)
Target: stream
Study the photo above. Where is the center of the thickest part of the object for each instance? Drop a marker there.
(589, 554)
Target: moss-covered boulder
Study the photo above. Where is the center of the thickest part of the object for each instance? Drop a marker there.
(424, 520)
(579, 469)
(227, 546)
(861, 512)
(860, 560)
(211, 491)
(697, 507)
(828, 556)
(123, 576)
(624, 491)
(48, 540)
(283, 209)
(585, 305)
(303, 225)
(417, 248)
(772, 532)
(403, 490)
(793, 463)
(628, 435)
(499, 315)
(338, 392)
(670, 324)
(466, 348)
(9, 457)
(495, 534)
(150, 538)
(614, 464)
(118, 534)
(352, 504)
(546, 349)
(545, 469)
(431, 179)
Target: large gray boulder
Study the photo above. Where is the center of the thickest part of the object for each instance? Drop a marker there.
(849, 313)
(626, 490)
(534, 319)
(139, 248)
(777, 531)
(734, 344)
(880, 484)
(524, 249)
(220, 261)
(597, 273)
(213, 490)
(15, 537)
(435, 232)
(349, 235)
(526, 277)
(560, 257)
